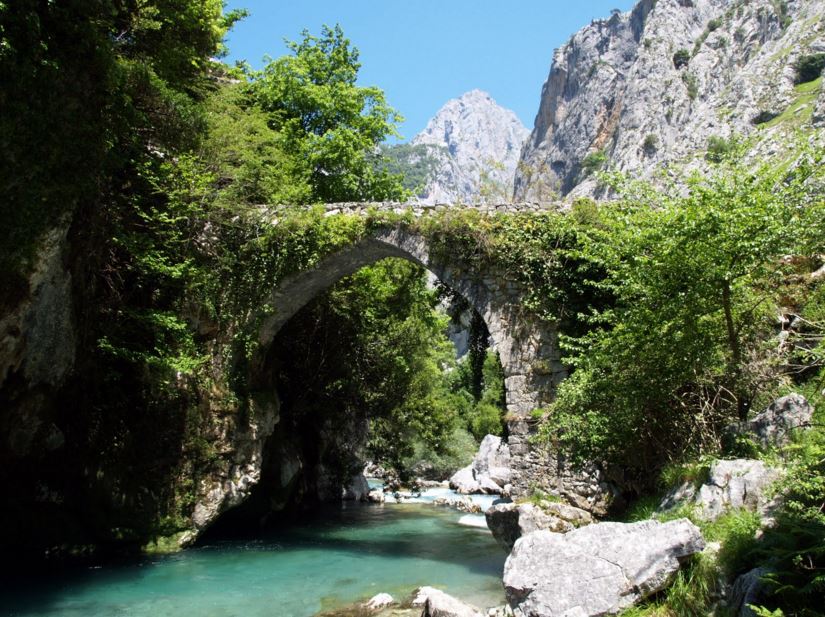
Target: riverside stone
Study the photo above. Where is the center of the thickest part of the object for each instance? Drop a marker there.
(379, 601)
(596, 570)
(436, 603)
(510, 521)
(463, 481)
(493, 461)
(489, 472)
(358, 489)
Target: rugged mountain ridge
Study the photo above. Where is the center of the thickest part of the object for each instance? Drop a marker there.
(467, 152)
(660, 84)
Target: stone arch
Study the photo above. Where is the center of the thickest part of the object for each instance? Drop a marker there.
(527, 348)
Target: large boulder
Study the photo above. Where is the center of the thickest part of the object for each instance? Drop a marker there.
(488, 473)
(596, 570)
(774, 426)
(463, 481)
(493, 460)
(358, 489)
(436, 603)
(734, 484)
(510, 521)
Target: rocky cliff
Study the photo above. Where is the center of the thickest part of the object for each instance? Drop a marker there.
(467, 152)
(666, 82)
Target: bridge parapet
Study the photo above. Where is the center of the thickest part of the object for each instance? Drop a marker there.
(421, 209)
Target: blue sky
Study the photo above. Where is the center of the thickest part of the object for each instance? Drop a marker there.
(424, 52)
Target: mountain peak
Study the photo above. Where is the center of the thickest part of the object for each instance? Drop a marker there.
(483, 141)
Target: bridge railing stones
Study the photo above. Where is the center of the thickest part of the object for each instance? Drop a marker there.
(420, 209)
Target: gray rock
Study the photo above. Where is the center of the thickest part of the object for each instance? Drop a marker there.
(747, 589)
(614, 88)
(573, 515)
(492, 461)
(739, 483)
(489, 472)
(379, 601)
(436, 603)
(509, 521)
(358, 489)
(774, 426)
(471, 138)
(682, 494)
(463, 481)
(462, 504)
(598, 569)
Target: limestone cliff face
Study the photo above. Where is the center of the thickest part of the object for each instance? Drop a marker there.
(475, 144)
(653, 86)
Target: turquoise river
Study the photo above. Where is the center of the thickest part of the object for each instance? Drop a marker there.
(347, 555)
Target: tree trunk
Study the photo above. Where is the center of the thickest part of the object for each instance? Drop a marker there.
(742, 405)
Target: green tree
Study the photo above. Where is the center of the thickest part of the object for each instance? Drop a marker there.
(694, 279)
(330, 123)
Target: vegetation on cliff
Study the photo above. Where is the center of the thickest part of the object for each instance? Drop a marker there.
(158, 156)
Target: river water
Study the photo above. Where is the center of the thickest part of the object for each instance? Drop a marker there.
(349, 554)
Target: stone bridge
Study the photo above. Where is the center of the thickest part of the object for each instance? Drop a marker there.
(527, 346)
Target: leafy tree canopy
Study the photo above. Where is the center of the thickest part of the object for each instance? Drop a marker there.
(333, 125)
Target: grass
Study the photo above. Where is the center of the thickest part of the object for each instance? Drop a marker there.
(799, 112)
(537, 496)
(641, 509)
(696, 586)
(697, 473)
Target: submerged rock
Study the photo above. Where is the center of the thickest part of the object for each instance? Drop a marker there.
(596, 570)
(436, 603)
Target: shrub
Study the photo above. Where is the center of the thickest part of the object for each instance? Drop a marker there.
(650, 143)
(594, 161)
(719, 148)
(692, 85)
(762, 117)
(453, 454)
(809, 68)
(681, 58)
(796, 545)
